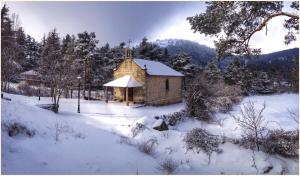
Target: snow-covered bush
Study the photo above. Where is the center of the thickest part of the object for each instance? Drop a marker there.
(196, 96)
(174, 118)
(137, 128)
(148, 146)
(17, 128)
(200, 140)
(220, 104)
(125, 140)
(285, 143)
(248, 142)
(168, 166)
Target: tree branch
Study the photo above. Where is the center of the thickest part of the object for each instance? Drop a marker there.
(264, 23)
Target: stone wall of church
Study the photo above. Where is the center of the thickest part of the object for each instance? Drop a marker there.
(129, 67)
(159, 93)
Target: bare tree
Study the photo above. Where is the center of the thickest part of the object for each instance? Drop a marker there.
(16, 23)
(251, 121)
(294, 114)
(9, 68)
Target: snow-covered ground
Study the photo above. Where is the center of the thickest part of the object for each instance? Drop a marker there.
(99, 139)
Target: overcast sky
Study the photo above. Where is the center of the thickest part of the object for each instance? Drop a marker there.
(114, 22)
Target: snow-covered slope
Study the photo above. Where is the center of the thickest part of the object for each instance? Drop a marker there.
(99, 140)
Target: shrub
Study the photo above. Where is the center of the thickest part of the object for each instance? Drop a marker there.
(199, 139)
(285, 143)
(59, 129)
(137, 128)
(168, 166)
(51, 107)
(248, 141)
(205, 97)
(125, 140)
(17, 128)
(148, 146)
(219, 104)
(196, 97)
(173, 119)
(252, 121)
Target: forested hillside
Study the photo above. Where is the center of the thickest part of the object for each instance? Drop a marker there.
(200, 54)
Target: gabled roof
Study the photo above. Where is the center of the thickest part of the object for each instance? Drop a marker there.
(124, 81)
(156, 68)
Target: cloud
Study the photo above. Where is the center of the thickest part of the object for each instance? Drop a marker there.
(273, 39)
(115, 22)
(179, 28)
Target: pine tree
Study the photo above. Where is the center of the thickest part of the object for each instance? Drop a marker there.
(106, 60)
(212, 71)
(7, 33)
(150, 51)
(32, 53)
(85, 48)
(234, 73)
(70, 63)
(51, 66)
(234, 23)
(65, 42)
(9, 66)
(182, 62)
(20, 46)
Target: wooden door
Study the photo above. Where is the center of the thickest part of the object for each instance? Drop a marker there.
(130, 94)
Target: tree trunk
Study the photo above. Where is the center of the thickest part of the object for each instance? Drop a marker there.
(71, 93)
(84, 77)
(52, 93)
(89, 91)
(106, 95)
(2, 84)
(67, 93)
(256, 140)
(8, 87)
(127, 102)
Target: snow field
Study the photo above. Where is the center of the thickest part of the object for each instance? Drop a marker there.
(99, 139)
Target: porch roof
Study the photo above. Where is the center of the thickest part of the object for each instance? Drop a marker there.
(124, 81)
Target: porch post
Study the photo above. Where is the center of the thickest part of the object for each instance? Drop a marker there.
(127, 103)
(106, 95)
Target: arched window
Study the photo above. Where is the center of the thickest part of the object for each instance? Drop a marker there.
(167, 85)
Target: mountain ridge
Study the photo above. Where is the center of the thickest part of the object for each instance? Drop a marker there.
(201, 54)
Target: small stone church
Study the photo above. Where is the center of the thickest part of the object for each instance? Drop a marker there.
(144, 81)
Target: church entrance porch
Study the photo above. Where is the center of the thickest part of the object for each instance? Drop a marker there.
(124, 88)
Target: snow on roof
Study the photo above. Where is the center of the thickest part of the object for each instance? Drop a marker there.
(124, 81)
(157, 123)
(31, 72)
(156, 68)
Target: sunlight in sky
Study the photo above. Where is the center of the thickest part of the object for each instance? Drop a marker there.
(179, 28)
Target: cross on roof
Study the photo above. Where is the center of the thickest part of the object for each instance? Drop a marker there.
(129, 41)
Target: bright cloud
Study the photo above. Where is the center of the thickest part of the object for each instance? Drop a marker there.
(179, 28)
